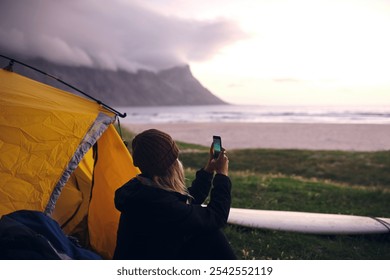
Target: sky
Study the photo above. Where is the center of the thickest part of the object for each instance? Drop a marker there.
(267, 52)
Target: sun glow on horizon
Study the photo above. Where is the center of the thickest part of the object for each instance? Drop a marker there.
(305, 52)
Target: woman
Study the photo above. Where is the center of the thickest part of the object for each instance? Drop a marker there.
(160, 218)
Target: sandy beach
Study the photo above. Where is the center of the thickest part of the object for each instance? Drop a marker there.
(348, 137)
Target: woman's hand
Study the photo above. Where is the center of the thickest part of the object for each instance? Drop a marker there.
(222, 163)
(219, 165)
(210, 166)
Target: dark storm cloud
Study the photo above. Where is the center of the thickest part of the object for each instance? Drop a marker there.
(108, 34)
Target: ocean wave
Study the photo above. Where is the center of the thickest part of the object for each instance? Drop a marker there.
(265, 114)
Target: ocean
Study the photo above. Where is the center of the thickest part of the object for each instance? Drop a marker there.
(257, 113)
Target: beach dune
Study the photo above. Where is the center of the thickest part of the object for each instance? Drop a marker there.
(347, 137)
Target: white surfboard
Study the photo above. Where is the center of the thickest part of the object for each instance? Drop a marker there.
(304, 222)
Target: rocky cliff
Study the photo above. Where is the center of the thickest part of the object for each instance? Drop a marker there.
(175, 86)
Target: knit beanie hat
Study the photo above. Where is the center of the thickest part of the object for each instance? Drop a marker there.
(154, 152)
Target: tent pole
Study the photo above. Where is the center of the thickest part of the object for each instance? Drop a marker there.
(10, 65)
(12, 61)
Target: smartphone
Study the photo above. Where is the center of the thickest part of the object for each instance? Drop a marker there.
(217, 145)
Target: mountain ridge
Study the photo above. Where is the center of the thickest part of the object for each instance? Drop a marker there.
(169, 87)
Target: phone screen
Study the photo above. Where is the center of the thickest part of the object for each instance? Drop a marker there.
(217, 145)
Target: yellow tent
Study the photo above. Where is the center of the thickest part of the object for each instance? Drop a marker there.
(60, 154)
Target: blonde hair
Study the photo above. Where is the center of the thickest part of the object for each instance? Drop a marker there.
(173, 180)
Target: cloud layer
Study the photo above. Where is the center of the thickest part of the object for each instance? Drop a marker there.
(109, 34)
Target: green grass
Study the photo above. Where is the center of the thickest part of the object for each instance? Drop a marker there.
(293, 181)
(299, 194)
(355, 183)
(357, 168)
(273, 245)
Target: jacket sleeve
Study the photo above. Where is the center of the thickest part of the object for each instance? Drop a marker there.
(215, 214)
(200, 187)
(220, 197)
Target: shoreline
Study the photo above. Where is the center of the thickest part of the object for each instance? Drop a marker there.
(308, 136)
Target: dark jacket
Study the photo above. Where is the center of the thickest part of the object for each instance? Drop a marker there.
(157, 224)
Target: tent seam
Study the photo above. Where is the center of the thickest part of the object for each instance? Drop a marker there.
(100, 124)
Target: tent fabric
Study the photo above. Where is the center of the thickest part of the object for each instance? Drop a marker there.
(73, 204)
(96, 130)
(114, 167)
(47, 162)
(41, 128)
